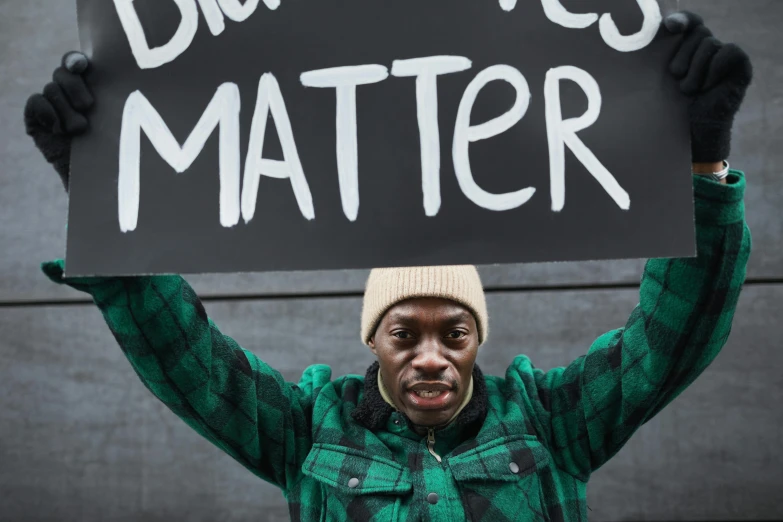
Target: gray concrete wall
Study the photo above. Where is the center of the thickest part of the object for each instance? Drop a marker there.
(81, 439)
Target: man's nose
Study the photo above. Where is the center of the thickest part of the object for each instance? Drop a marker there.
(430, 359)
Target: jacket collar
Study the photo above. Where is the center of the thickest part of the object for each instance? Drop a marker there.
(373, 411)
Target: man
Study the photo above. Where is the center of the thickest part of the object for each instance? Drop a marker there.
(425, 435)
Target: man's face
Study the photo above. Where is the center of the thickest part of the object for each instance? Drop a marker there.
(426, 348)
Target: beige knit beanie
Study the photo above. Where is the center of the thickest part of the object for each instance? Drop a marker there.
(388, 286)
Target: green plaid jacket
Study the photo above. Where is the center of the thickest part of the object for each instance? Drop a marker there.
(523, 449)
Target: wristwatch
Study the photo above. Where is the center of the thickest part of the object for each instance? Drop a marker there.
(721, 175)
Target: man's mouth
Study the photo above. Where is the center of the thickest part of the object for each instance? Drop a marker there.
(430, 396)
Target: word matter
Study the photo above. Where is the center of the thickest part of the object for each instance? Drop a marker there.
(224, 110)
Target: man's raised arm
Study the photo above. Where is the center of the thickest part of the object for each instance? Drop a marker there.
(221, 390)
(588, 410)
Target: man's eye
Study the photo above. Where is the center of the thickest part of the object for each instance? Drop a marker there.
(402, 335)
(456, 334)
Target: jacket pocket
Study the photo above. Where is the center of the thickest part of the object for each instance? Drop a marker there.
(499, 480)
(357, 485)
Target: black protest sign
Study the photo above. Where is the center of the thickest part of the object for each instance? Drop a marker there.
(302, 134)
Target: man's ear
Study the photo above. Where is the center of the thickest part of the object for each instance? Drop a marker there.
(371, 344)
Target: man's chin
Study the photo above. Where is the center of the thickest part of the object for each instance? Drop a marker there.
(429, 418)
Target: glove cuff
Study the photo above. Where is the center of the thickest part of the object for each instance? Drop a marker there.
(711, 141)
(63, 168)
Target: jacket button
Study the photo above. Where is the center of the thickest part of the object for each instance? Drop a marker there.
(432, 498)
(353, 482)
(513, 467)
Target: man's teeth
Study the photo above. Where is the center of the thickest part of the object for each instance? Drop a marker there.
(428, 394)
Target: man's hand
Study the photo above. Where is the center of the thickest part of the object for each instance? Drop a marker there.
(53, 117)
(715, 76)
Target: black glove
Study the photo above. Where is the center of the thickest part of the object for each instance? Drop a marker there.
(55, 116)
(715, 76)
